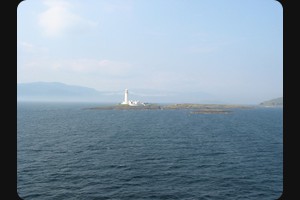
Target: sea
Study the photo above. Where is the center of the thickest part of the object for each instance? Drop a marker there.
(66, 151)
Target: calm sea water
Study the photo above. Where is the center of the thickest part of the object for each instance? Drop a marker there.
(67, 152)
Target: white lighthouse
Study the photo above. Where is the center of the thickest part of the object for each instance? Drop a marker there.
(131, 102)
(125, 97)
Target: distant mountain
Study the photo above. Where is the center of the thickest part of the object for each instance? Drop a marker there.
(55, 91)
(273, 102)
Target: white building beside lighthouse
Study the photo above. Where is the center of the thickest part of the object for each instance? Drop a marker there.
(130, 102)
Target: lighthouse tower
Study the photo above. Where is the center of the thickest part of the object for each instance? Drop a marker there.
(125, 97)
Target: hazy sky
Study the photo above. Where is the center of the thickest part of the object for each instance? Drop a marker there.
(231, 49)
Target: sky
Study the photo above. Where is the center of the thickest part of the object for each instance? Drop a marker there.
(229, 49)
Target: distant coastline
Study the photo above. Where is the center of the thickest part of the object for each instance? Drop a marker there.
(278, 102)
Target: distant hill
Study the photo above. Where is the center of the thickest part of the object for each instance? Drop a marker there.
(55, 91)
(273, 102)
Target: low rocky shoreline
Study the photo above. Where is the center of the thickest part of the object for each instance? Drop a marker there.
(195, 108)
(211, 111)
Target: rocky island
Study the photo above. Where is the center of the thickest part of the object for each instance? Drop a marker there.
(194, 108)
